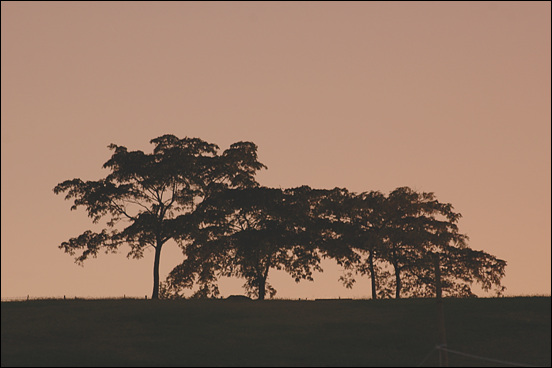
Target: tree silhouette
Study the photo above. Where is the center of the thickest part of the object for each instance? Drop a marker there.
(408, 214)
(155, 194)
(246, 233)
(356, 239)
(407, 230)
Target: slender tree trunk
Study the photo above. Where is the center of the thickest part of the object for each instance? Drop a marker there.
(262, 282)
(155, 294)
(443, 355)
(397, 281)
(262, 288)
(372, 274)
(395, 263)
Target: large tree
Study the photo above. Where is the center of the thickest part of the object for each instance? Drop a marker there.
(246, 233)
(155, 195)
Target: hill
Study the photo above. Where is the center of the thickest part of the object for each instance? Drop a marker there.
(127, 332)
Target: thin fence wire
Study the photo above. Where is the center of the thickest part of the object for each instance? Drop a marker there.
(72, 297)
(427, 356)
(68, 297)
(440, 347)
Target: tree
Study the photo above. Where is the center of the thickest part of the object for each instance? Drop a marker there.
(361, 224)
(354, 227)
(460, 268)
(406, 215)
(395, 240)
(156, 194)
(246, 233)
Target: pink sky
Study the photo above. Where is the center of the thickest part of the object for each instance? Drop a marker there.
(445, 97)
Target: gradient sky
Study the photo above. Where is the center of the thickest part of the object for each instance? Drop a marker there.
(444, 97)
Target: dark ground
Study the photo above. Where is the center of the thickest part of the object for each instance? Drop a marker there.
(272, 333)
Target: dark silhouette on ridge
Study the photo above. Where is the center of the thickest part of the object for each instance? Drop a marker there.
(156, 194)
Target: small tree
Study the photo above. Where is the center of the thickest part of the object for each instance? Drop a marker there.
(156, 194)
(246, 233)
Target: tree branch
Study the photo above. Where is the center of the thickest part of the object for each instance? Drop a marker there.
(121, 210)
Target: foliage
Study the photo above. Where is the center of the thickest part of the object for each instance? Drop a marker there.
(394, 239)
(353, 228)
(228, 225)
(155, 194)
(246, 233)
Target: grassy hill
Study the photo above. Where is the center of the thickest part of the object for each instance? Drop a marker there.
(272, 333)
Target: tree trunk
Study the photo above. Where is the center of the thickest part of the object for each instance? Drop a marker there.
(395, 263)
(262, 288)
(155, 294)
(372, 274)
(262, 282)
(397, 281)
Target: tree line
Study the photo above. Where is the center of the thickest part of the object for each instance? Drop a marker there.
(227, 224)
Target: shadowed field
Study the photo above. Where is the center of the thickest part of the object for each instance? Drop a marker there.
(272, 333)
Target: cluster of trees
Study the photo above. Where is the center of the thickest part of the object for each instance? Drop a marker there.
(228, 225)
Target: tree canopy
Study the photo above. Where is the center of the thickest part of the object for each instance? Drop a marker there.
(227, 224)
(246, 233)
(156, 195)
(397, 237)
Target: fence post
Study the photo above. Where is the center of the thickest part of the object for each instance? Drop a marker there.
(443, 355)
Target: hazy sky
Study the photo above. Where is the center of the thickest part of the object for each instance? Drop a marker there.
(445, 97)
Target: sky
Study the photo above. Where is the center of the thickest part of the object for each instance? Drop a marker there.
(445, 97)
